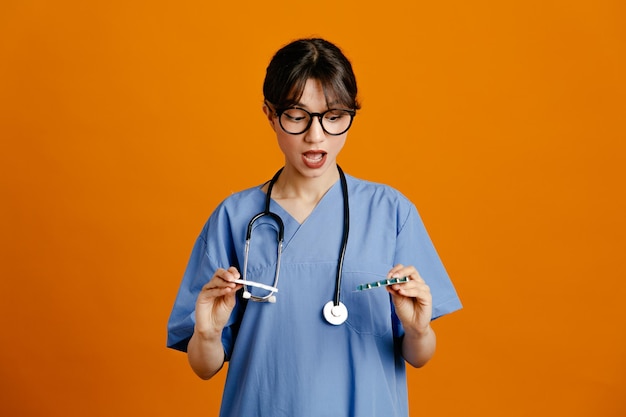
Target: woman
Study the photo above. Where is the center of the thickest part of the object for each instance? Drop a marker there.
(323, 348)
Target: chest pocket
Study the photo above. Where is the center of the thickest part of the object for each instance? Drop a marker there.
(369, 312)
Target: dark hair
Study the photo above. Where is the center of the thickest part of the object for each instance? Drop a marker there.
(304, 59)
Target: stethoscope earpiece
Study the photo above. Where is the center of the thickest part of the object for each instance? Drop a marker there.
(247, 295)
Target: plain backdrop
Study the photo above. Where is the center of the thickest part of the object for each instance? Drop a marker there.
(124, 123)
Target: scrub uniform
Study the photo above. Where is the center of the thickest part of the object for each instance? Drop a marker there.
(284, 358)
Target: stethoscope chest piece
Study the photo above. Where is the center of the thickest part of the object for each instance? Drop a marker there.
(335, 314)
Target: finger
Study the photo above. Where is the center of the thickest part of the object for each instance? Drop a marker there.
(415, 288)
(209, 294)
(224, 278)
(424, 298)
(407, 289)
(227, 275)
(400, 270)
(394, 272)
(217, 287)
(234, 273)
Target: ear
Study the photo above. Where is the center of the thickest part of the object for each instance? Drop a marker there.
(269, 114)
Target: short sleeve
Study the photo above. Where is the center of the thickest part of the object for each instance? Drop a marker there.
(414, 247)
(213, 249)
(181, 323)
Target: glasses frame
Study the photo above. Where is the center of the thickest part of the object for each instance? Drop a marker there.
(319, 116)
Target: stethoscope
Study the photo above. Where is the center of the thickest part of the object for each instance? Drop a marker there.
(334, 311)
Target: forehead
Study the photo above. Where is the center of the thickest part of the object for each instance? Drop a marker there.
(314, 92)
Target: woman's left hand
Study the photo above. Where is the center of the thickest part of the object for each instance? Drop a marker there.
(412, 300)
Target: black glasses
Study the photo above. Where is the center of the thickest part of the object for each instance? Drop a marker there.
(296, 121)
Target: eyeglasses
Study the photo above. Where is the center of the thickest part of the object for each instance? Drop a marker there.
(296, 121)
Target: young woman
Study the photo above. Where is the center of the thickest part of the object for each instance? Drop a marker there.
(319, 347)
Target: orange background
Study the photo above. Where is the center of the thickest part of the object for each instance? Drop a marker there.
(123, 124)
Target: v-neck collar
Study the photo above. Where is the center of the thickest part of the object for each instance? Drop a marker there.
(276, 207)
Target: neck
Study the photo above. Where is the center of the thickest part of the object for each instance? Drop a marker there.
(292, 185)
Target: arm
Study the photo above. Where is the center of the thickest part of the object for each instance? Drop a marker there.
(214, 305)
(419, 346)
(205, 353)
(413, 305)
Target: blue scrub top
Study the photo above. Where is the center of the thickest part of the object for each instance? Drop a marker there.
(285, 359)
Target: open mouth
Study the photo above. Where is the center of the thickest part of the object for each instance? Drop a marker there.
(314, 159)
(315, 156)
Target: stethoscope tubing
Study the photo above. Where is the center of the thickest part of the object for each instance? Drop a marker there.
(344, 238)
(280, 238)
(334, 311)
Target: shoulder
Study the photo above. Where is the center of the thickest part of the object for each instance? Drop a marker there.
(360, 189)
(247, 196)
(238, 204)
(243, 196)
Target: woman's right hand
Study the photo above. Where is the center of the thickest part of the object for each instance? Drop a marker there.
(216, 301)
(213, 308)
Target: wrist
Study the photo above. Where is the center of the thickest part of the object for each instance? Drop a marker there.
(418, 332)
(207, 334)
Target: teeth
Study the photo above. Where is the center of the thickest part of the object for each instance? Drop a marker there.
(314, 156)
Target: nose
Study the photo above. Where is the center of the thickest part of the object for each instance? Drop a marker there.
(315, 133)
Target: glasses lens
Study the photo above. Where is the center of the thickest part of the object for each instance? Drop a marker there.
(295, 121)
(336, 122)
